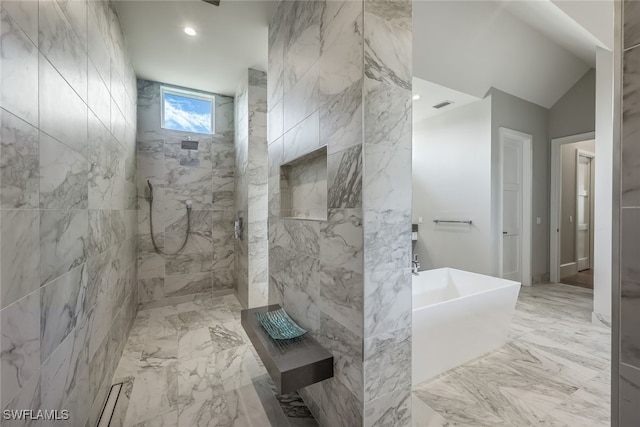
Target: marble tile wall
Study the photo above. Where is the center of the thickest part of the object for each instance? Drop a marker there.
(251, 189)
(204, 176)
(629, 371)
(386, 183)
(68, 293)
(341, 71)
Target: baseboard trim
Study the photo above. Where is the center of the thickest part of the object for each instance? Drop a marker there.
(568, 269)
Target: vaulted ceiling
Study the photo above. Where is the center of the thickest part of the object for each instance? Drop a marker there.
(530, 49)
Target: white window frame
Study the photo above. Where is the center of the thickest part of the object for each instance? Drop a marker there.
(188, 94)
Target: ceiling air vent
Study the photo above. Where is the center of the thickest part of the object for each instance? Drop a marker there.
(213, 2)
(442, 104)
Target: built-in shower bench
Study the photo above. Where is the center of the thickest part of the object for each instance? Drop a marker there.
(292, 364)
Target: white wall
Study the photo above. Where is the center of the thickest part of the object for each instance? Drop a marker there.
(452, 179)
(604, 186)
(575, 112)
(514, 113)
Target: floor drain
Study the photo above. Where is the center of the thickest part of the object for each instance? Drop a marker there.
(110, 405)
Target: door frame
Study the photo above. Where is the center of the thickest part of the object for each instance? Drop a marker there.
(527, 202)
(592, 156)
(556, 196)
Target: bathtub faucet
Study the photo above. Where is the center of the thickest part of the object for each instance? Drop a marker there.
(415, 265)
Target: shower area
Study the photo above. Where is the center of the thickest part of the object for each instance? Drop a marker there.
(192, 177)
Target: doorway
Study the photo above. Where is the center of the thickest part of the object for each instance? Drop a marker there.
(515, 211)
(572, 232)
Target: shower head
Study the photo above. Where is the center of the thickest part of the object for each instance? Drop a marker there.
(213, 2)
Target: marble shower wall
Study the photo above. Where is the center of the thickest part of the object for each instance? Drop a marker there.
(629, 380)
(252, 164)
(340, 76)
(68, 293)
(386, 182)
(205, 176)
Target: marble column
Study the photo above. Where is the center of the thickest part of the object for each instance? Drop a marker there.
(251, 189)
(340, 77)
(629, 317)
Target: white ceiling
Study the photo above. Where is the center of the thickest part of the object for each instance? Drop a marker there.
(231, 38)
(471, 46)
(432, 94)
(550, 20)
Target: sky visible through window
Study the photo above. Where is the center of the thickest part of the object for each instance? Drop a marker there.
(187, 114)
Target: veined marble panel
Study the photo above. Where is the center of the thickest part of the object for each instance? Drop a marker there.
(302, 100)
(396, 12)
(222, 152)
(186, 284)
(387, 51)
(393, 409)
(61, 305)
(341, 62)
(341, 296)
(302, 139)
(69, 124)
(387, 113)
(387, 295)
(98, 97)
(66, 369)
(347, 352)
(297, 235)
(341, 242)
(303, 49)
(63, 176)
(386, 180)
(19, 163)
(344, 179)
(19, 84)
(387, 239)
(19, 344)
(387, 363)
(60, 44)
(343, 412)
(341, 119)
(224, 114)
(25, 15)
(63, 242)
(19, 254)
(27, 398)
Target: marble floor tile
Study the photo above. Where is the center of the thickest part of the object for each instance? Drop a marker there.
(554, 371)
(192, 365)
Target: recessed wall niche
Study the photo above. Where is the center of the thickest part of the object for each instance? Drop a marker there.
(303, 187)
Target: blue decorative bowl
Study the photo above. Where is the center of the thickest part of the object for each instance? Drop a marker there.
(279, 325)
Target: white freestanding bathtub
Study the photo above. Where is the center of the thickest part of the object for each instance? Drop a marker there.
(457, 316)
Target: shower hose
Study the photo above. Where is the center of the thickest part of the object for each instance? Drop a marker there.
(153, 239)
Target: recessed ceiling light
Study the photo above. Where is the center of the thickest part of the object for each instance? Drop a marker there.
(416, 97)
(190, 31)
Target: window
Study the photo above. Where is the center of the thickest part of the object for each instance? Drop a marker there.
(187, 111)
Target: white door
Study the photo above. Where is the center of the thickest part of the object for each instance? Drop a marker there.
(512, 210)
(583, 211)
(516, 206)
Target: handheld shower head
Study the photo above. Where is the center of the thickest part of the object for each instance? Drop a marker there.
(150, 190)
